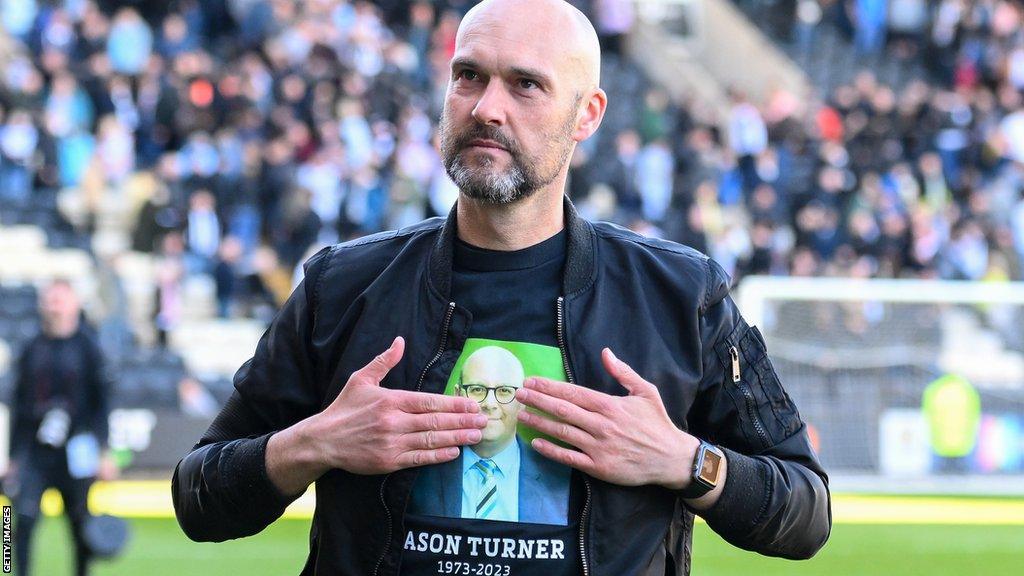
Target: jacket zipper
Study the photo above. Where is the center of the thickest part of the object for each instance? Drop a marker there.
(419, 384)
(440, 349)
(748, 396)
(586, 483)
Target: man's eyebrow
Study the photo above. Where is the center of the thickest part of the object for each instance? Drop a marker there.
(462, 62)
(532, 74)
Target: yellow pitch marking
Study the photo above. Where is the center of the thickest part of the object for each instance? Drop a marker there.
(152, 499)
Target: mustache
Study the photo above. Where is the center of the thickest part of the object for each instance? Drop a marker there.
(486, 132)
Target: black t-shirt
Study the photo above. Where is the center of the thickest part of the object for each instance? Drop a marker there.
(500, 509)
(512, 295)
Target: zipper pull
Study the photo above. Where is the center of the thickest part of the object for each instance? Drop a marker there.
(735, 355)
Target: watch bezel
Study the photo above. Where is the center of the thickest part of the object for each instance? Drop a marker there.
(698, 465)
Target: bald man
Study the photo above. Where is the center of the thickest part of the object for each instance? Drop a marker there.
(687, 416)
(526, 486)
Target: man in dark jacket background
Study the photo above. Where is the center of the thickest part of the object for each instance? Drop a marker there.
(686, 416)
(58, 422)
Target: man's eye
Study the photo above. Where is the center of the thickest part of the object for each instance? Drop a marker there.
(527, 84)
(466, 75)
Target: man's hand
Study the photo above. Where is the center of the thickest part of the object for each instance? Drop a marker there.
(625, 440)
(368, 429)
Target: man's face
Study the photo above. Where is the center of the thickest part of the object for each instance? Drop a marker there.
(58, 305)
(491, 376)
(510, 111)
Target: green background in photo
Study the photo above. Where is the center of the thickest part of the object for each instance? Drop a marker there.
(537, 360)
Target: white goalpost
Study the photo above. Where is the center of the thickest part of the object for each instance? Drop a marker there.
(858, 357)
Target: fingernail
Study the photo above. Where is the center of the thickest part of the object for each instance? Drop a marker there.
(474, 436)
(614, 357)
(524, 416)
(480, 421)
(452, 452)
(522, 394)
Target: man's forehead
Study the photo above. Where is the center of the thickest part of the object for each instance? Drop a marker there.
(504, 48)
(523, 33)
(494, 379)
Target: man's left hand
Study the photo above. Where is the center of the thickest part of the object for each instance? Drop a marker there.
(625, 440)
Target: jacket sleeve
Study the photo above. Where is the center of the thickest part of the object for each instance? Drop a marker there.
(221, 489)
(776, 499)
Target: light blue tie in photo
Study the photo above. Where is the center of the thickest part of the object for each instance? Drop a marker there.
(489, 496)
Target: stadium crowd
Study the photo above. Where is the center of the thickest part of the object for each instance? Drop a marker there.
(932, 168)
(246, 133)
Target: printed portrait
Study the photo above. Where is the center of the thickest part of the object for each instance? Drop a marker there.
(502, 477)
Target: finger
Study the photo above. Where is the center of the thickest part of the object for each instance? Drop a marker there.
(561, 409)
(441, 421)
(626, 376)
(435, 439)
(379, 367)
(427, 402)
(576, 395)
(426, 457)
(567, 456)
(560, 430)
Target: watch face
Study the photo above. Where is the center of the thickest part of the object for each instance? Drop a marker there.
(709, 467)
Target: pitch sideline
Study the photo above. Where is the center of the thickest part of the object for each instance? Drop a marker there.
(152, 499)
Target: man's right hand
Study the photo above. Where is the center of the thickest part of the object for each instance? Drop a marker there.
(368, 429)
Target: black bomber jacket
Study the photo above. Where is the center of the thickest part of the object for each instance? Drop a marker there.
(662, 307)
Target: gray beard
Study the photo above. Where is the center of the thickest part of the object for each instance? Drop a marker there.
(486, 185)
(481, 183)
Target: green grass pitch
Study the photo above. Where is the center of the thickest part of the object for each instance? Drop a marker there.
(158, 548)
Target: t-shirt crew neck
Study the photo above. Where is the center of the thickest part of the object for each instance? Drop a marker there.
(476, 259)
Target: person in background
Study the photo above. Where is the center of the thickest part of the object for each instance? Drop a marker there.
(59, 423)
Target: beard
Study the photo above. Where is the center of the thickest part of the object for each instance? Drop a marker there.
(524, 175)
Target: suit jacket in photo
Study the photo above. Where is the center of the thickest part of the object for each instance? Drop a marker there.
(543, 489)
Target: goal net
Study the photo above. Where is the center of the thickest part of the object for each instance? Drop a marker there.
(907, 385)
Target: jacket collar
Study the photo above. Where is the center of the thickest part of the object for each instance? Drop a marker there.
(579, 258)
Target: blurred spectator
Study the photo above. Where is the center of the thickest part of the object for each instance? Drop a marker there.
(748, 137)
(225, 274)
(869, 17)
(170, 275)
(655, 170)
(18, 140)
(129, 42)
(296, 227)
(59, 422)
(195, 400)
(202, 232)
(623, 177)
(613, 19)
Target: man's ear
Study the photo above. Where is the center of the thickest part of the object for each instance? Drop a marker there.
(594, 103)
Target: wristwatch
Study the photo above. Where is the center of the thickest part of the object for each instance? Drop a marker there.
(706, 466)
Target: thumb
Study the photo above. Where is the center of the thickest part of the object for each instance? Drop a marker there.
(625, 374)
(378, 368)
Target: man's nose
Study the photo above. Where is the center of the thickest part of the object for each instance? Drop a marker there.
(489, 401)
(490, 108)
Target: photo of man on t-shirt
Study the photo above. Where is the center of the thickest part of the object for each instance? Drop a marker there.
(501, 477)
